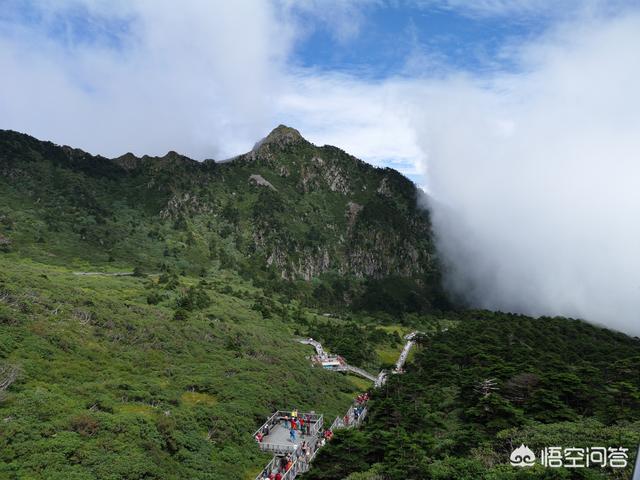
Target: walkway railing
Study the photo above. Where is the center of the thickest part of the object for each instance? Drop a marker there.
(352, 419)
(317, 345)
(382, 378)
(361, 372)
(301, 464)
(317, 421)
(405, 351)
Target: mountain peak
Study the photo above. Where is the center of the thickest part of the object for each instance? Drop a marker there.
(281, 136)
(283, 132)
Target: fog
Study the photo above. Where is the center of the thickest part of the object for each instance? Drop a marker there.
(537, 176)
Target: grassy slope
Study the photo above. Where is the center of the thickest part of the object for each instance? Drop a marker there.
(112, 387)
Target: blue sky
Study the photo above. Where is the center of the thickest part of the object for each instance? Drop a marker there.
(383, 39)
(391, 35)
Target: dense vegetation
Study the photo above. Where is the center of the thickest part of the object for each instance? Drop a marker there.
(109, 386)
(288, 209)
(495, 381)
(164, 373)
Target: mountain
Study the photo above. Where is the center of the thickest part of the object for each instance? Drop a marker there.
(149, 305)
(149, 310)
(288, 209)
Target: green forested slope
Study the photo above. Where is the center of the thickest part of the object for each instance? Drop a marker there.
(558, 382)
(165, 374)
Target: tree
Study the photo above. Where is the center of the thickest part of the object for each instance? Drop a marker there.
(8, 375)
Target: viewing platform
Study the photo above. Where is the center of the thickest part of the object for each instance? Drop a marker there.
(275, 437)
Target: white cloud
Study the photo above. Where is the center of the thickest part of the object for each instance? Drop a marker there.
(198, 78)
(343, 18)
(537, 176)
(534, 173)
(369, 120)
(525, 8)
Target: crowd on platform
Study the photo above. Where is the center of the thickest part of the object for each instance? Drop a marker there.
(298, 459)
(298, 424)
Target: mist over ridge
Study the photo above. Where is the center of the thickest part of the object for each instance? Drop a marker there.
(536, 180)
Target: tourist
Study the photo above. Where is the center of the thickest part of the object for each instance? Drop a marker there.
(292, 435)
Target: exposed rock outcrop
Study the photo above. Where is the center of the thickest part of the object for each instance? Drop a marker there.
(260, 181)
(319, 173)
(383, 188)
(184, 204)
(353, 209)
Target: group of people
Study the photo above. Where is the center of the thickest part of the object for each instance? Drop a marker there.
(294, 423)
(362, 398)
(356, 411)
(296, 459)
(297, 423)
(301, 455)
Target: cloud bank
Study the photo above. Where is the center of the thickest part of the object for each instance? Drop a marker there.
(536, 177)
(148, 76)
